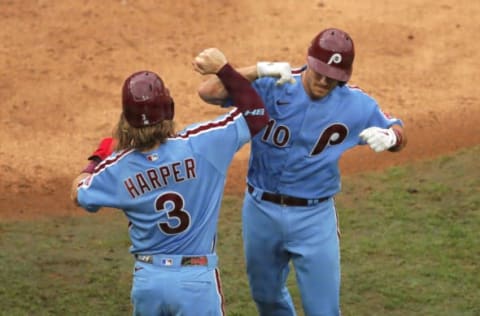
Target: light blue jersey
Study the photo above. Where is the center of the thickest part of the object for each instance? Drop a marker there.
(298, 152)
(171, 195)
(288, 212)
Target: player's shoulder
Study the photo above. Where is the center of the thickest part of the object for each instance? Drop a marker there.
(115, 160)
(202, 128)
(271, 82)
(297, 71)
(357, 93)
(353, 88)
(264, 83)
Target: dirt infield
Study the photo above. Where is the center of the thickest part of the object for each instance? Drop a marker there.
(63, 63)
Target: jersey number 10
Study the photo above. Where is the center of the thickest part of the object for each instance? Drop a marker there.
(280, 136)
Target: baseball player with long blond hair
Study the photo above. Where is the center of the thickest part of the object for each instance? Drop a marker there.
(170, 187)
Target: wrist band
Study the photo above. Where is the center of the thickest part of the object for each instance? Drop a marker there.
(399, 137)
(398, 142)
(90, 167)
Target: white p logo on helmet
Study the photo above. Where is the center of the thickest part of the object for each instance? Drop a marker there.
(335, 58)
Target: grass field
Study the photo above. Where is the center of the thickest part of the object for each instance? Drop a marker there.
(410, 246)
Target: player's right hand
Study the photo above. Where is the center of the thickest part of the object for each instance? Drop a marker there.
(209, 61)
(379, 139)
(275, 69)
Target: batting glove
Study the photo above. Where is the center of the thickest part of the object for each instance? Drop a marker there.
(275, 69)
(379, 139)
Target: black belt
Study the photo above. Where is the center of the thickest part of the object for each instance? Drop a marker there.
(286, 199)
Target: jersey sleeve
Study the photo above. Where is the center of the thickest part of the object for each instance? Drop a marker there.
(98, 190)
(218, 140)
(381, 119)
(263, 86)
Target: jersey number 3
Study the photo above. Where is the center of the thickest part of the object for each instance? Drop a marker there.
(178, 219)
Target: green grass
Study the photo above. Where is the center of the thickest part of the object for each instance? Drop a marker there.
(410, 246)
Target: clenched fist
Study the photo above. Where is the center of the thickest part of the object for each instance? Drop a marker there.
(209, 61)
(379, 139)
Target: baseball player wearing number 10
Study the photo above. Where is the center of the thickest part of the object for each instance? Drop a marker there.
(288, 212)
(170, 187)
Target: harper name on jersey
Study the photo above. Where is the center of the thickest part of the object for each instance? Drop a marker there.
(161, 176)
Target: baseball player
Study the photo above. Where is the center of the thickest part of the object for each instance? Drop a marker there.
(288, 211)
(170, 187)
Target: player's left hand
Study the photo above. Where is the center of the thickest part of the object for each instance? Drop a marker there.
(209, 61)
(282, 70)
(379, 139)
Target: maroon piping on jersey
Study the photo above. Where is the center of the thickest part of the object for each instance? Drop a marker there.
(220, 292)
(210, 125)
(105, 163)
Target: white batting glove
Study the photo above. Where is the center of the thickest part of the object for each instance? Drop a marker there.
(379, 139)
(275, 69)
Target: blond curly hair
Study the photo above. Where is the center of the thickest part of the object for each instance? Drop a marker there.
(143, 138)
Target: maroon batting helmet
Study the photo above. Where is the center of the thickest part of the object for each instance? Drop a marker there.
(331, 54)
(146, 101)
